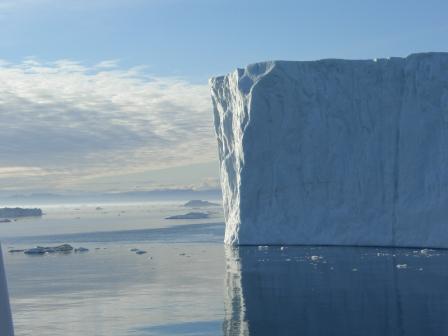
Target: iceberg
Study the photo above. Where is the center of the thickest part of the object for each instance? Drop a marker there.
(19, 212)
(335, 152)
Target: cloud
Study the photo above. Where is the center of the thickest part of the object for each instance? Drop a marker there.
(107, 64)
(63, 122)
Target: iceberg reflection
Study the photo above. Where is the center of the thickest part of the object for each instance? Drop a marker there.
(335, 291)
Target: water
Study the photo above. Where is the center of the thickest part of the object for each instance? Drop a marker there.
(190, 284)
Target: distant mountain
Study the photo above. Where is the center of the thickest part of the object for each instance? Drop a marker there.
(130, 196)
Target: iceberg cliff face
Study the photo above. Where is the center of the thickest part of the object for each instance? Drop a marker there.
(335, 152)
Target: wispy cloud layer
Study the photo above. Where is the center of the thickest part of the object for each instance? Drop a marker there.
(63, 122)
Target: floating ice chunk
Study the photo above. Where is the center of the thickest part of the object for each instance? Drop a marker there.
(315, 258)
(81, 249)
(425, 251)
(141, 252)
(402, 266)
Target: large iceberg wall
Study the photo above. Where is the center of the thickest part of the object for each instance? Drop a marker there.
(337, 152)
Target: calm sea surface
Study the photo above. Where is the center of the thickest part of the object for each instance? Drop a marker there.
(188, 283)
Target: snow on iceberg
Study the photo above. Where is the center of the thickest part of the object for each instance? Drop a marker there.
(338, 152)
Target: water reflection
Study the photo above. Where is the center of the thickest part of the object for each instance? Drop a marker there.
(335, 291)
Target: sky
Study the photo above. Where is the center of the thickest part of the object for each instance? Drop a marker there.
(112, 95)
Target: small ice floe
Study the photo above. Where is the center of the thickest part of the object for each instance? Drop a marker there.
(287, 259)
(140, 252)
(427, 252)
(420, 269)
(354, 270)
(315, 258)
(282, 248)
(81, 249)
(381, 254)
(401, 266)
(263, 247)
(133, 249)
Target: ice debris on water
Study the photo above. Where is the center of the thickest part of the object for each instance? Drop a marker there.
(402, 266)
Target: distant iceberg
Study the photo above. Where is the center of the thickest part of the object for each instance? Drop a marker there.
(19, 212)
(335, 152)
(190, 215)
(199, 204)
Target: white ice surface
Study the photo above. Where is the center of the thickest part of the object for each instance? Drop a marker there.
(335, 152)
